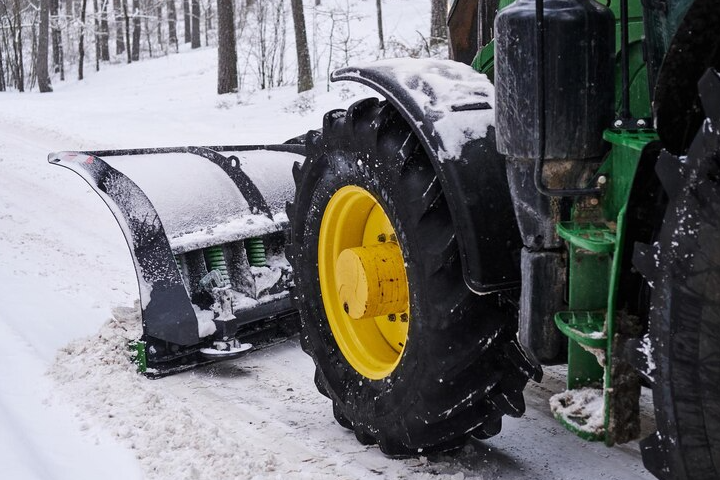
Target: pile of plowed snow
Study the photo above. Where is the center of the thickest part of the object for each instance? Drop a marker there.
(170, 439)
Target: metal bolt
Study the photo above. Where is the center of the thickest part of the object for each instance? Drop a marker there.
(382, 238)
(594, 202)
(641, 123)
(391, 317)
(404, 317)
(602, 180)
(618, 123)
(393, 238)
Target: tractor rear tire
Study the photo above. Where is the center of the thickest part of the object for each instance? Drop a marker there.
(460, 369)
(683, 270)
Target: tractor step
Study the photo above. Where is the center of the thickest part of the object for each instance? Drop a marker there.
(594, 237)
(586, 328)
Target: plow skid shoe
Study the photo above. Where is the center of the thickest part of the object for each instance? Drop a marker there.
(206, 229)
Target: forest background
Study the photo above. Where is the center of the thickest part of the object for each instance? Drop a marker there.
(262, 44)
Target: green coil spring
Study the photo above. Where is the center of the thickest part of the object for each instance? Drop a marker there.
(180, 262)
(215, 258)
(255, 249)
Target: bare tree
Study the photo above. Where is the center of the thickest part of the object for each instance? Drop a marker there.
(438, 21)
(186, 21)
(266, 40)
(172, 24)
(208, 16)
(41, 67)
(148, 37)
(16, 32)
(104, 32)
(305, 81)
(127, 30)
(137, 30)
(158, 14)
(96, 21)
(2, 71)
(118, 8)
(227, 50)
(195, 38)
(57, 48)
(81, 47)
(381, 39)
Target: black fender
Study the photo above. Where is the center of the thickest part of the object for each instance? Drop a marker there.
(450, 107)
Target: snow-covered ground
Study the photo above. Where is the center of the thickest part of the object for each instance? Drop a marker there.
(71, 405)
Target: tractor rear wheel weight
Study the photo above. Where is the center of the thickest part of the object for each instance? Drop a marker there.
(453, 375)
(683, 270)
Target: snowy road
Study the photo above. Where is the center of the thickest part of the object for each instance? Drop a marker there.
(64, 266)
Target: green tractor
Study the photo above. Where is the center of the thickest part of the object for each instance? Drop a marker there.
(564, 207)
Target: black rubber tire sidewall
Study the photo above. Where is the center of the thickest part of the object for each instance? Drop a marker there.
(447, 354)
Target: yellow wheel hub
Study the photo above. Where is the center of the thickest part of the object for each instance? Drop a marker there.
(363, 282)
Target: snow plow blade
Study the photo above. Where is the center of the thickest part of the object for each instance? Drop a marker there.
(206, 228)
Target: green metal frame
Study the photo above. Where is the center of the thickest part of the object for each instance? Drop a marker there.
(596, 239)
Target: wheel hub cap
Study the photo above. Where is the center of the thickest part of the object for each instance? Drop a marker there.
(363, 282)
(371, 281)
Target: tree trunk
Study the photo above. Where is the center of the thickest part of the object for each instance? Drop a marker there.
(209, 16)
(96, 21)
(438, 19)
(118, 8)
(127, 31)
(158, 14)
(148, 37)
(41, 68)
(18, 46)
(381, 38)
(137, 30)
(2, 72)
(172, 24)
(81, 47)
(208, 22)
(186, 20)
(195, 40)
(305, 81)
(227, 52)
(104, 32)
(56, 39)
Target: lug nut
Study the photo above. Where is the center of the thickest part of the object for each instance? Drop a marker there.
(382, 238)
(391, 317)
(404, 317)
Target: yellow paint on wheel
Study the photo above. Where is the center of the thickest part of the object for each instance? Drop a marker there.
(363, 282)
